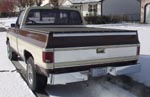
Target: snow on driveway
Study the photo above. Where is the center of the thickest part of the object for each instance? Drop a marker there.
(11, 83)
(93, 88)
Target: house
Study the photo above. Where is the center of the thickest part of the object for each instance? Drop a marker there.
(145, 11)
(128, 8)
(87, 7)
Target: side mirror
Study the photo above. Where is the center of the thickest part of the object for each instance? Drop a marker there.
(13, 25)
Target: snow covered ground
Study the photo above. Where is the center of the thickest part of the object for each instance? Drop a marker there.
(6, 22)
(12, 85)
(93, 88)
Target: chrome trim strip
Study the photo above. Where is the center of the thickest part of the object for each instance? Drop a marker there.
(93, 34)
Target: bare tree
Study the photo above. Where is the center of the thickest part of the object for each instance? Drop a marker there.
(21, 3)
(56, 2)
(31, 2)
(24, 3)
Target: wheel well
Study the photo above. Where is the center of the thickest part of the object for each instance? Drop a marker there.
(27, 55)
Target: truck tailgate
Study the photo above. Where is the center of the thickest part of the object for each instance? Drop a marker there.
(89, 48)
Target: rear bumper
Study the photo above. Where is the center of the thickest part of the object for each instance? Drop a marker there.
(46, 72)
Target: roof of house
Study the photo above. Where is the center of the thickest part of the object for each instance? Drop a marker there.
(84, 1)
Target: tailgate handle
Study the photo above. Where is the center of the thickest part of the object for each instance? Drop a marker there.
(100, 50)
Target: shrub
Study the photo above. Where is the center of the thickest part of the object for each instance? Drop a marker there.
(105, 19)
(4, 14)
(97, 19)
(116, 19)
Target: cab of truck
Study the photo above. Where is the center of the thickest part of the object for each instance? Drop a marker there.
(49, 16)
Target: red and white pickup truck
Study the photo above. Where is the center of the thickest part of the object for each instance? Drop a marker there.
(55, 41)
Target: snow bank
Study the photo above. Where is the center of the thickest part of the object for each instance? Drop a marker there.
(143, 76)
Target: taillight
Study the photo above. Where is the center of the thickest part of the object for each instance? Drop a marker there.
(138, 50)
(48, 57)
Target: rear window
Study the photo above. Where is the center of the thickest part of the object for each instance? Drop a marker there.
(53, 17)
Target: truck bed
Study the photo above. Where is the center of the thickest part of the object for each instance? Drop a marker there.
(64, 37)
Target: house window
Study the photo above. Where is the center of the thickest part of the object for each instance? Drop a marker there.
(92, 9)
(77, 7)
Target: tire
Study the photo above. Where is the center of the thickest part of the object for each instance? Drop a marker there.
(11, 54)
(36, 82)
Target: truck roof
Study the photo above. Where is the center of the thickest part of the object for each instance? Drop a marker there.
(50, 7)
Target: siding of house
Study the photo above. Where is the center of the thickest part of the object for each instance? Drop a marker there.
(143, 9)
(129, 8)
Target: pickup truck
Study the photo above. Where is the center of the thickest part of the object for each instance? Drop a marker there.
(55, 41)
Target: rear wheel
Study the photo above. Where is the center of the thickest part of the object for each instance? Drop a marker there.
(11, 54)
(36, 82)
